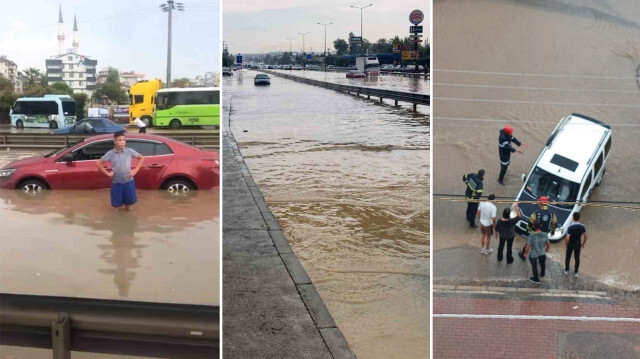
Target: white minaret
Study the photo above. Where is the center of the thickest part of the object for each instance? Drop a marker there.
(60, 33)
(76, 43)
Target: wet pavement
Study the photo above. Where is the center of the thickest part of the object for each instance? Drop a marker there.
(347, 180)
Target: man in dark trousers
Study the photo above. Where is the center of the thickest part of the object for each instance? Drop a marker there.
(546, 217)
(573, 243)
(505, 149)
(473, 193)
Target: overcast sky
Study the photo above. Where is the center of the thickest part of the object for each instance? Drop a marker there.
(128, 35)
(254, 26)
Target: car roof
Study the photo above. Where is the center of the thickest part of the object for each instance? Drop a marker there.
(577, 140)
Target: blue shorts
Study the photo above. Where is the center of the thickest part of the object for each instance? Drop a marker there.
(123, 194)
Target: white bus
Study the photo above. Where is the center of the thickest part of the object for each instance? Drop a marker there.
(50, 111)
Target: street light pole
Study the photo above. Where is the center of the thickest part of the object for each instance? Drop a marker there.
(325, 43)
(304, 54)
(361, 8)
(168, 8)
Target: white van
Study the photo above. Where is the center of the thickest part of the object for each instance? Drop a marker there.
(49, 111)
(570, 166)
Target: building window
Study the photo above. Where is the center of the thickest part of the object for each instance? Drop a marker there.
(81, 74)
(71, 74)
(70, 58)
(81, 84)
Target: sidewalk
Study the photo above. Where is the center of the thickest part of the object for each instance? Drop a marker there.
(270, 307)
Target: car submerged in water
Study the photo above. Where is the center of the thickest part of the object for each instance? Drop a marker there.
(262, 79)
(169, 165)
(355, 74)
(571, 164)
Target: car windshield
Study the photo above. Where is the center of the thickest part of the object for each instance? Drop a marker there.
(261, 76)
(59, 150)
(543, 183)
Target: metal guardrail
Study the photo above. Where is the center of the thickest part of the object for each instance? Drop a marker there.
(109, 326)
(410, 97)
(208, 140)
(382, 72)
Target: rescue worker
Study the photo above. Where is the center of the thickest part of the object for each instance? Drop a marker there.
(473, 193)
(548, 219)
(505, 149)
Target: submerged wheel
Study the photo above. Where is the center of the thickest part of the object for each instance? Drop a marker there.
(19, 124)
(175, 124)
(147, 120)
(179, 186)
(32, 186)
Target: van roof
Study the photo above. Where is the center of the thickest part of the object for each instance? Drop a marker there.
(573, 146)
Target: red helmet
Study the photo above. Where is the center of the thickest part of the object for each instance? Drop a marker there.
(508, 130)
(543, 199)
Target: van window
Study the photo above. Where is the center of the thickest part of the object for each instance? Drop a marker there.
(607, 147)
(598, 163)
(587, 184)
(543, 183)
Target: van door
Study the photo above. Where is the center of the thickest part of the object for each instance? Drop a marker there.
(587, 188)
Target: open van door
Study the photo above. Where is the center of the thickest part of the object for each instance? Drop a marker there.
(585, 193)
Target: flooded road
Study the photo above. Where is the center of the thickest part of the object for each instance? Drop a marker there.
(529, 65)
(72, 243)
(386, 82)
(347, 180)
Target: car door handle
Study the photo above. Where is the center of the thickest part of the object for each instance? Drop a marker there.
(155, 165)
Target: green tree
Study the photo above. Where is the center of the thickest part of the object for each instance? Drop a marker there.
(341, 47)
(183, 82)
(61, 88)
(34, 77)
(7, 98)
(81, 103)
(112, 88)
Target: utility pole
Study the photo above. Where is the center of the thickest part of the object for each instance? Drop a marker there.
(361, 8)
(168, 8)
(325, 43)
(290, 39)
(304, 54)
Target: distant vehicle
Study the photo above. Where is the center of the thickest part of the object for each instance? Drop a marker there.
(571, 164)
(355, 74)
(368, 64)
(262, 79)
(287, 67)
(170, 165)
(227, 71)
(49, 111)
(195, 106)
(297, 67)
(92, 125)
(142, 96)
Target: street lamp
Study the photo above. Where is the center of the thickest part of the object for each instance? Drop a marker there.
(325, 43)
(168, 8)
(304, 55)
(361, 8)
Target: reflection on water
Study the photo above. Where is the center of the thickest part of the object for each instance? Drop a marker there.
(348, 182)
(546, 60)
(73, 243)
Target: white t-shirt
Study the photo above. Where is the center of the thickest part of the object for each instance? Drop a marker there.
(138, 122)
(487, 212)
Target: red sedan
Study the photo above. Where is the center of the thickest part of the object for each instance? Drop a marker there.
(355, 74)
(169, 165)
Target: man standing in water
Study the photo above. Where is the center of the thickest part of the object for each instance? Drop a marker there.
(473, 193)
(505, 149)
(572, 242)
(123, 187)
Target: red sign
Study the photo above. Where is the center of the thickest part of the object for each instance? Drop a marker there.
(416, 17)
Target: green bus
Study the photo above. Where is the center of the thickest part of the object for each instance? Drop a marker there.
(196, 106)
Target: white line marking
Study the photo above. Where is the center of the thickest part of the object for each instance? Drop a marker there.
(537, 317)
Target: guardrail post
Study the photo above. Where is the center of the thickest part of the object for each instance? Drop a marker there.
(61, 337)
(66, 141)
(396, 103)
(415, 107)
(4, 140)
(380, 99)
(193, 140)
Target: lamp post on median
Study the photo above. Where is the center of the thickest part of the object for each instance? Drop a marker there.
(325, 44)
(361, 8)
(304, 54)
(168, 8)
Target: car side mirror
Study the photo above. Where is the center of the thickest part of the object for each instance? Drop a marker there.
(523, 177)
(67, 157)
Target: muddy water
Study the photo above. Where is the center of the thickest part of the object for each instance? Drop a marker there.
(72, 243)
(348, 182)
(387, 82)
(572, 56)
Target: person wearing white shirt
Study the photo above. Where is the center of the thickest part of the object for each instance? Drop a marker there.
(141, 125)
(487, 214)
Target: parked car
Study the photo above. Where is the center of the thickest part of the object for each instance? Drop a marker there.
(262, 79)
(355, 74)
(227, 71)
(571, 164)
(297, 67)
(92, 125)
(170, 165)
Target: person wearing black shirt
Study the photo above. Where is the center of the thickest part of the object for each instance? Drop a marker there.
(573, 243)
(473, 193)
(505, 227)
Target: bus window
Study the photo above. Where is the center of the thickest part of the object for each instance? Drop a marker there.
(69, 108)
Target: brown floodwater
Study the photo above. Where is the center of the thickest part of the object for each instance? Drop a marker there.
(529, 64)
(72, 243)
(348, 182)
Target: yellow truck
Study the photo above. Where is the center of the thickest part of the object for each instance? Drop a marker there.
(143, 100)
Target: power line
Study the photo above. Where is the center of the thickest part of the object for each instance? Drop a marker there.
(536, 75)
(627, 205)
(520, 121)
(535, 88)
(572, 104)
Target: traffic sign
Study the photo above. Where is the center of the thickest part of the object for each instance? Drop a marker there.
(410, 55)
(239, 59)
(415, 29)
(415, 36)
(416, 17)
(416, 41)
(355, 40)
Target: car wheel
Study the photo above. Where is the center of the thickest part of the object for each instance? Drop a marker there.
(179, 186)
(53, 125)
(19, 124)
(147, 120)
(32, 186)
(175, 124)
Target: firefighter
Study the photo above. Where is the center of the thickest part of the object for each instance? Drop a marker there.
(505, 149)
(473, 194)
(547, 218)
